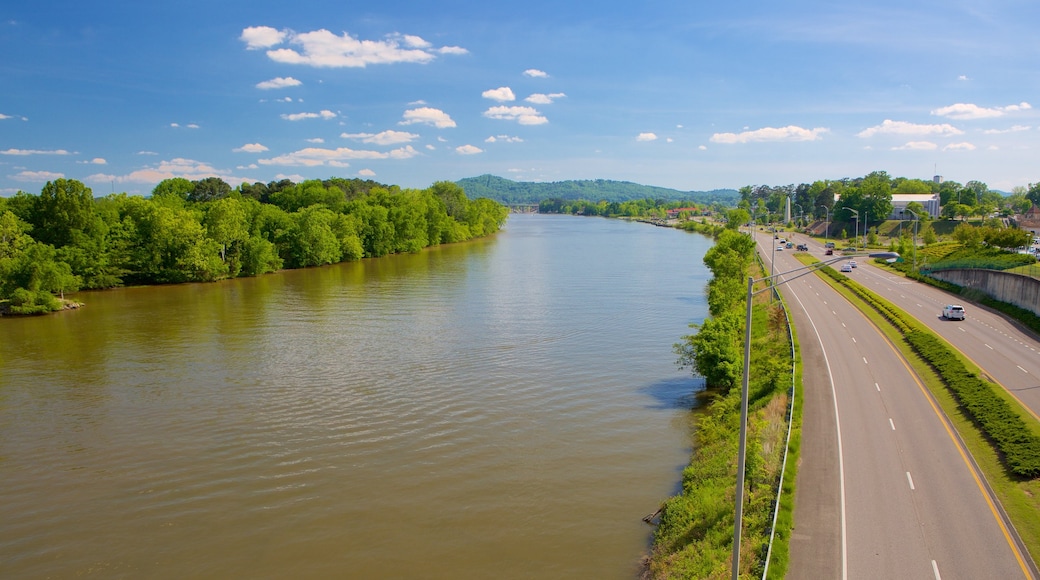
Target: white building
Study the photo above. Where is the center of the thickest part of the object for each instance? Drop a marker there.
(929, 201)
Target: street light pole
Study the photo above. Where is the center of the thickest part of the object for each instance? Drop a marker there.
(742, 452)
(917, 219)
(827, 217)
(855, 233)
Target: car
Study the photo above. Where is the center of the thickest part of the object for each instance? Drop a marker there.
(953, 312)
(829, 245)
(852, 263)
(829, 252)
(788, 245)
(802, 248)
(846, 267)
(780, 248)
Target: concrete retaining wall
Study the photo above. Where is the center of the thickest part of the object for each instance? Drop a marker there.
(1022, 291)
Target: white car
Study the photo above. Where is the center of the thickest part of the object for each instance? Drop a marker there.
(852, 263)
(953, 312)
(846, 267)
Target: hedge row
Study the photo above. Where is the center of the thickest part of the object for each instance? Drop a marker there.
(978, 399)
(1004, 427)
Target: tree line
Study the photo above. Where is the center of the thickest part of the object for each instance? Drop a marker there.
(525, 192)
(871, 196)
(65, 239)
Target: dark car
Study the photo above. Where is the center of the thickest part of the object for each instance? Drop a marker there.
(829, 252)
(802, 248)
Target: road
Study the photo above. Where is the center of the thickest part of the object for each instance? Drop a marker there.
(884, 490)
(1007, 353)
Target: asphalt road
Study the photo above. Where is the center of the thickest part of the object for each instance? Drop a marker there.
(1007, 353)
(885, 490)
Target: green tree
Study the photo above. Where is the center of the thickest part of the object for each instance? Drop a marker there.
(64, 212)
(209, 189)
(311, 242)
(736, 218)
(174, 188)
(225, 222)
(968, 235)
(877, 197)
(1033, 193)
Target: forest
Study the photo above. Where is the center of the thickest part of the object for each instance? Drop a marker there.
(529, 193)
(65, 239)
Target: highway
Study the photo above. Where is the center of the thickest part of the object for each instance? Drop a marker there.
(885, 490)
(1009, 355)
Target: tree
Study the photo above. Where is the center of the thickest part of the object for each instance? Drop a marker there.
(968, 235)
(209, 189)
(64, 211)
(877, 197)
(1007, 238)
(1033, 193)
(225, 223)
(173, 188)
(736, 218)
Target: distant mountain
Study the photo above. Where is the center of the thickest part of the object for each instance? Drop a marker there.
(526, 192)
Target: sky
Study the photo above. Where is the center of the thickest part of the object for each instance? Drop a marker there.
(687, 95)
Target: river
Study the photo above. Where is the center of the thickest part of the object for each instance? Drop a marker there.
(503, 408)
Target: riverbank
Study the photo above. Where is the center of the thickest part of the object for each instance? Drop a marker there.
(695, 536)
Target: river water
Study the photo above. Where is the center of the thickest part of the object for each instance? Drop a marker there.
(504, 408)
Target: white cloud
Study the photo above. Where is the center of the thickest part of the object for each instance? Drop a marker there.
(503, 138)
(324, 114)
(318, 140)
(501, 94)
(3, 117)
(646, 137)
(36, 176)
(916, 146)
(192, 125)
(533, 72)
(322, 48)
(702, 148)
(178, 167)
(430, 147)
(384, 138)
(959, 147)
(889, 127)
(1013, 129)
(963, 78)
(257, 37)
(366, 173)
(428, 116)
(522, 115)
(789, 133)
(147, 153)
(94, 161)
(278, 83)
(452, 50)
(468, 150)
(541, 99)
(965, 111)
(339, 157)
(188, 126)
(250, 148)
(34, 152)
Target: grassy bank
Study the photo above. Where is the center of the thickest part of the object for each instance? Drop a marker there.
(694, 538)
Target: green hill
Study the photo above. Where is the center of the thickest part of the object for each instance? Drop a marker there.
(525, 192)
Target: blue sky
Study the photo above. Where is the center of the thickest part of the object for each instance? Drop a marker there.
(687, 95)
